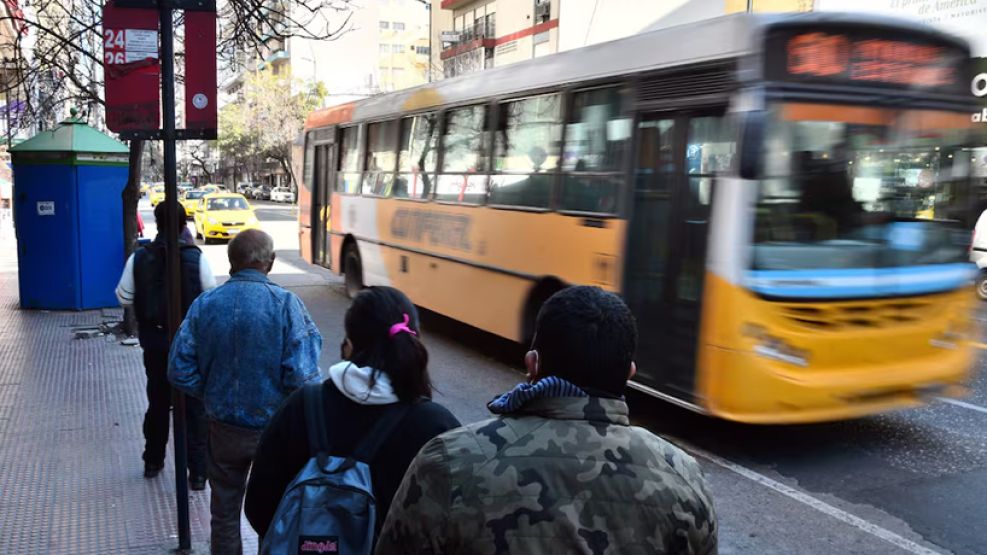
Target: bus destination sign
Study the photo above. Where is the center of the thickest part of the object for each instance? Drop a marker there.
(854, 59)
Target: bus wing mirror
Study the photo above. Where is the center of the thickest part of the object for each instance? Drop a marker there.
(752, 144)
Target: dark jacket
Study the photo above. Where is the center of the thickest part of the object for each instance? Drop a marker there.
(151, 294)
(283, 448)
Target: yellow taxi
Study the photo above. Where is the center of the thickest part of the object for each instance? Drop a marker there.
(190, 201)
(157, 195)
(223, 215)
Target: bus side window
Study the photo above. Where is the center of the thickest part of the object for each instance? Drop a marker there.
(381, 158)
(527, 147)
(348, 177)
(464, 172)
(598, 135)
(416, 159)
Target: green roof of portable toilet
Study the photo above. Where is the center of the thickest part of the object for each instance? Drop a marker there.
(71, 142)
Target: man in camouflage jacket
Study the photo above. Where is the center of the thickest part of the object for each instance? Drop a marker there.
(560, 470)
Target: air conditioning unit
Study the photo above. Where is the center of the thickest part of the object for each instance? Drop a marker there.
(543, 10)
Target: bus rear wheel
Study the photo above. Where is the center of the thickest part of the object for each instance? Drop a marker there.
(354, 271)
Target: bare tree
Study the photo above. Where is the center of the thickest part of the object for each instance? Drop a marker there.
(56, 59)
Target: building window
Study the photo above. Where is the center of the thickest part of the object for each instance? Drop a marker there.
(543, 11)
(422, 50)
(398, 26)
(385, 48)
(397, 48)
(385, 25)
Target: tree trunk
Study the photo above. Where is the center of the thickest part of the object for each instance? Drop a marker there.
(131, 196)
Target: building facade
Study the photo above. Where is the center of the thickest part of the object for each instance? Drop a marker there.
(378, 47)
(477, 34)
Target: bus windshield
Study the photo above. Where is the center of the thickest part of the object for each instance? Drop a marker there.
(861, 187)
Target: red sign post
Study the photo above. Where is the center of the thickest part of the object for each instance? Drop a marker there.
(138, 58)
(200, 71)
(132, 68)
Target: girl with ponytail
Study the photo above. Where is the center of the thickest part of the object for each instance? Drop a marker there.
(384, 364)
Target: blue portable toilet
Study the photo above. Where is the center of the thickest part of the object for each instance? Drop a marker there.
(68, 213)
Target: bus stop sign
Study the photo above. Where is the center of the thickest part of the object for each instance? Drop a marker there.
(132, 68)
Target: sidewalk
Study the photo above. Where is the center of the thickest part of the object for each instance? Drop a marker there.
(70, 439)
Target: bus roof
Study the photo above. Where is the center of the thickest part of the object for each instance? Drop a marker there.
(717, 39)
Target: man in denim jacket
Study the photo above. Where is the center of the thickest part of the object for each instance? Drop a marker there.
(242, 349)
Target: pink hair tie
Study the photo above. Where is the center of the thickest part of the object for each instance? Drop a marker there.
(402, 327)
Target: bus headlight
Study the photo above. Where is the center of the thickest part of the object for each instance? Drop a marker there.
(948, 339)
(775, 348)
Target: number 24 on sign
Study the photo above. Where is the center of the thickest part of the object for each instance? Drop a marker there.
(114, 46)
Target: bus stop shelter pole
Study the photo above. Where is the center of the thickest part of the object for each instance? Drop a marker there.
(174, 278)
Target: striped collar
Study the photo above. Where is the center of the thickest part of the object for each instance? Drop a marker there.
(545, 388)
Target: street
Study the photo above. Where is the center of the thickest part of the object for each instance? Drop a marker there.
(906, 482)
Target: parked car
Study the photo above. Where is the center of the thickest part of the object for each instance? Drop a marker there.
(246, 188)
(157, 195)
(223, 215)
(191, 200)
(282, 194)
(263, 192)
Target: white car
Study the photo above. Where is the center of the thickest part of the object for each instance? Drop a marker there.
(978, 254)
(282, 194)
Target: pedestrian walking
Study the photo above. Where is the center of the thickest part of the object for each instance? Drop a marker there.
(559, 470)
(243, 348)
(384, 371)
(143, 286)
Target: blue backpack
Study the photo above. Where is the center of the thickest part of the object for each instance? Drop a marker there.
(329, 507)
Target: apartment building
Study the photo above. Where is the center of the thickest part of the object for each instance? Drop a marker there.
(380, 46)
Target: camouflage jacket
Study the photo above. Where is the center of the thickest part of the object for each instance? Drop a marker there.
(562, 475)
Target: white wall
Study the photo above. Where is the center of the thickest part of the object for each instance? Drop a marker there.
(585, 22)
(967, 18)
(348, 63)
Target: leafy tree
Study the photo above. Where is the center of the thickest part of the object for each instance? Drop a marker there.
(262, 124)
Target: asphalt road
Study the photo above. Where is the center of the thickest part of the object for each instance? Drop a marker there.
(914, 481)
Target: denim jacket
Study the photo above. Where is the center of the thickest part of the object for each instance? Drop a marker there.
(243, 348)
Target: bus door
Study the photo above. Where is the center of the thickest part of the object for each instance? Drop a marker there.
(322, 202)
(673, 189)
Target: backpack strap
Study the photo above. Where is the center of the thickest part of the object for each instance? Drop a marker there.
(315, 419)
(367, 449)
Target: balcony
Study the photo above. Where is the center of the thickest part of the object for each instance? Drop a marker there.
(455, 4)
(481, 34)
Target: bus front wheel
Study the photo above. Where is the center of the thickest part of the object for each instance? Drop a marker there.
(354, 271)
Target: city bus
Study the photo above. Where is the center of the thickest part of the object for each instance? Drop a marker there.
(784, 202)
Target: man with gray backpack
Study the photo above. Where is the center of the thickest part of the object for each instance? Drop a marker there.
(330, 460)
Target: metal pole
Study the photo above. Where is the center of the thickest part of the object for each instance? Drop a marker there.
(174, 277)
(750, 6)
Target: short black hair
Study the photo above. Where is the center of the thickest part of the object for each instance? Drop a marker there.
(161, 216)
(587, 336)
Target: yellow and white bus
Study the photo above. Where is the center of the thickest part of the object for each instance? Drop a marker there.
(783, 202)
